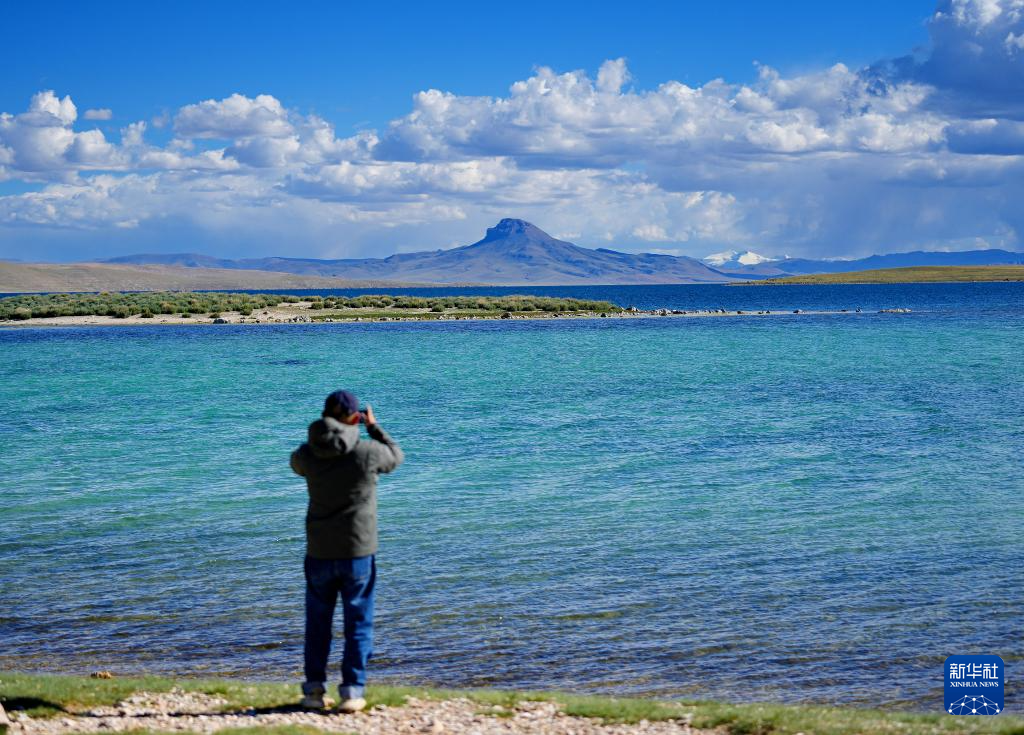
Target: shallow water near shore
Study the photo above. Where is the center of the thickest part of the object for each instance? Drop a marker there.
(803, 509)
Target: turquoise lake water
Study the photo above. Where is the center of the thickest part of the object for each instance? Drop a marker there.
(798, 508)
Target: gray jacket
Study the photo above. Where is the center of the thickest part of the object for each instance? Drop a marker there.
(341, 474)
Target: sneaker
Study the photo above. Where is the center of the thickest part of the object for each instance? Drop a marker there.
(313, 701)
(313, 695)
(353, 704)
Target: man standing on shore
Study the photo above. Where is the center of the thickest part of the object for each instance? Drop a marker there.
(341, 540)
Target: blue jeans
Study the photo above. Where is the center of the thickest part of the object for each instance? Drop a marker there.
(354, 580)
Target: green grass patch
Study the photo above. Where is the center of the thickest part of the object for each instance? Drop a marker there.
(916, 274)
(775, 719)
(47, 696)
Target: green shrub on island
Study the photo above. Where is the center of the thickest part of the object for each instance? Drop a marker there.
(124, 305)
(128, 304)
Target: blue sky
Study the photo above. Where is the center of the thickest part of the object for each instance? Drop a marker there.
(359, 65)
(335, 129)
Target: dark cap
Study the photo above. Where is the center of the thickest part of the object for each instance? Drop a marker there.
(341, 402)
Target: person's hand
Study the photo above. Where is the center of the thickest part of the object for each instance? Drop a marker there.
(368, 418)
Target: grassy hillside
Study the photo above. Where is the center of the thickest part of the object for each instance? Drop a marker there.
(61, 696)
(917, 274)
(55, 277)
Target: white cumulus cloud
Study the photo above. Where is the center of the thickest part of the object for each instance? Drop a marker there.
(236, 116)
(101, 113)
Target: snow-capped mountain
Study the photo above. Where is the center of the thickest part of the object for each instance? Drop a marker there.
(736, 258)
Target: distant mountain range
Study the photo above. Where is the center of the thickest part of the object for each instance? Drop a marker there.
(515, 252)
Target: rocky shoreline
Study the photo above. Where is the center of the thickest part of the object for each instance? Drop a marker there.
(184, 711)
(40, 704)
(276, 317)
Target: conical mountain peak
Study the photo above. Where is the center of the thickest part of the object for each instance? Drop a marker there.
(517, 229)
(513, 252)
